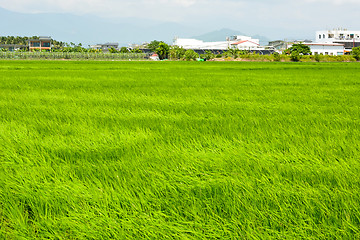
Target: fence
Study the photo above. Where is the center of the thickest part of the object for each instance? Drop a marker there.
(72, 55)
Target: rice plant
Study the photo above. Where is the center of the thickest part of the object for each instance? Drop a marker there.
(179, 150)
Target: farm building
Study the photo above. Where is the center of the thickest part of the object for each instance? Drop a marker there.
(240, 42)
(245, 45)
(334, 49)
(43, 43)
(187, 43)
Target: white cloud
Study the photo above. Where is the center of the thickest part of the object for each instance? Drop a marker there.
(334, 2)
(254, 16)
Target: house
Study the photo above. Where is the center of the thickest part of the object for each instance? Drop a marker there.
(155, 57)
(13, 47)
(105, 46)
(279, 45)
(245, 45)
(348, 38)
(43, 43)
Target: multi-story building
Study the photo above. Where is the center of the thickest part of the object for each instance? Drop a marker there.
(348, 38)
(43, 43)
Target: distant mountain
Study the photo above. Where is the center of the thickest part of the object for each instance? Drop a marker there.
(220, 35)
(88, 29)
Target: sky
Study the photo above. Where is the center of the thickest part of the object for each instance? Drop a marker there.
(272, 18)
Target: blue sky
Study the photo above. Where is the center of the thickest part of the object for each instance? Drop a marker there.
(272, 18)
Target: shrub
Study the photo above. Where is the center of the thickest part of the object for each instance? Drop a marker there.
(176, 52)
(124, 50)
(356, 53)
(295, 56)
(209, 55)
(136, 50)
(276, 56)
(190, 55)
(113, 50)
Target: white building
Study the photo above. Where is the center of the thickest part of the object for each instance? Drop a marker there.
(239, 42)
(346, 37)
(189, 43)
(334, 49)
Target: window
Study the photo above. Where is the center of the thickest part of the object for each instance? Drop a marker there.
(35, 44)
(319, 36)
(323, 35)
(326, 53)
(45, 44)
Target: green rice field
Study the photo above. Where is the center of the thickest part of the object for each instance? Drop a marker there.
(179, 150)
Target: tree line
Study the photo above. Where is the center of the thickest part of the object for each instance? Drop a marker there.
(165, 51)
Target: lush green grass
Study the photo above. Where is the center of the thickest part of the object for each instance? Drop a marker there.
(177, 150)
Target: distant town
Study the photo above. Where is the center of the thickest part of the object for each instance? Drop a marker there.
(334, 42)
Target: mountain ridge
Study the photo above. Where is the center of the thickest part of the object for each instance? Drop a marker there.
(90, 29)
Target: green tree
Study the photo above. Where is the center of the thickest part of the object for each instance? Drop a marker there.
(176, 52)
(124, 50)
(356, 53)
(163, 50)
(300, 48)
(152, 46)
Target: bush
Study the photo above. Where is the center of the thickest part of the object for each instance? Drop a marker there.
(136, 50)
(209, 55)
(176, 53)
(190, 55)
(124, 50)
(113, 50)
(276, 56)
(295, 56)
(356, 53)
